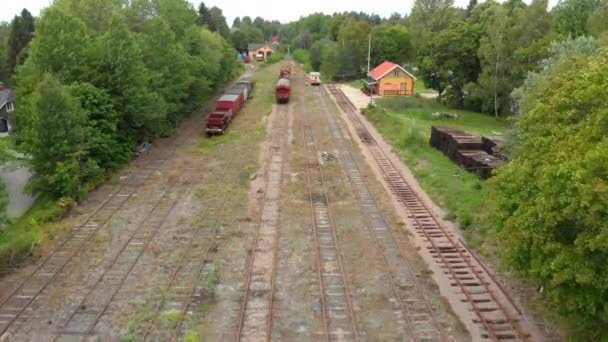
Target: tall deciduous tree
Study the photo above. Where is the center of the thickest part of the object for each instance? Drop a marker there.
(393, 43)
(492, 53)
(56, 140)
(450, 60)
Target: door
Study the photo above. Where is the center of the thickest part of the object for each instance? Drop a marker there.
(3, 125)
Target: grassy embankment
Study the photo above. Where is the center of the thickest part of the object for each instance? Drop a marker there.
(406, 125)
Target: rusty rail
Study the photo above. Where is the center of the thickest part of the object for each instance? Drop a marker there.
(414, 307)
(495, 316)
(339, 319)
(259, 284)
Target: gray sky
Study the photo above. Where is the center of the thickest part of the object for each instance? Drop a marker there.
(284, 11)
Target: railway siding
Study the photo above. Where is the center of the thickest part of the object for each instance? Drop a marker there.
(412, 306)
(256, 313)
(497, 315)
(336, 302)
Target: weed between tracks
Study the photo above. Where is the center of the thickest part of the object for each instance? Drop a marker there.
(238, 150)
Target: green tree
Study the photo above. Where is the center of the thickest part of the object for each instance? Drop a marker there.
(430, 16)
(236, 23)
(217, 22)
(119, 70)
(552, 198)
(571, 16)
(104, 143)
(352, 51)
(56, 140)
(62, 46)
(21, 32)
(4, 33)
(393, 43)
(450, 62)
(179, 14)
(330, 64)
(492, 53)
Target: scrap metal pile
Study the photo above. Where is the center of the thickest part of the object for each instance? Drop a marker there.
(473, 153)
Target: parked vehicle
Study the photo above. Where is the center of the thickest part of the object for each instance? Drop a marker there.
(260, 57)
(283, 90)
(315, 78)
(218, 121)
(285, 71)
(229, 102)
(247, 59)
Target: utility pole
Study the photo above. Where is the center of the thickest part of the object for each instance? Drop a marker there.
(369, 57)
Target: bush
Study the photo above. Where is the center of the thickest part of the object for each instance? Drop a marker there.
(302, 56)
(275, 58)
(551, 198)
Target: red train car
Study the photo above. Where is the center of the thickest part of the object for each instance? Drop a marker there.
(228, 101)
(237, 90)
(285, 71)
(283, 90)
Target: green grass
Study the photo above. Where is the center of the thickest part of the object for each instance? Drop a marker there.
(420, 87)
(358, 84)
(406, 123)
(20, 238)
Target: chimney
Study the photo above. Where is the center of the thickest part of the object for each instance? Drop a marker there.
(2, 86)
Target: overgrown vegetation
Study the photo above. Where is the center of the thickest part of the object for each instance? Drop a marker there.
(552, 198)
(97, 79)
(406, 124)
(20, 238)
(274, 58)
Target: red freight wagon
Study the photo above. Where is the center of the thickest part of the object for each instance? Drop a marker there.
(238, 90)
(229, 101)
(218, 121)
(283, 90)
(242, 94)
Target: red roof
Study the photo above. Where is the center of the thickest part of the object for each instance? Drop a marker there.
(385, 68)
(382, 69)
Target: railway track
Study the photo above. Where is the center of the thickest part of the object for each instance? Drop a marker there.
(255, 322)
(412, 306)
(499, 317)
(17, 306)
(338, 317)
(194, 263)
(94, 304)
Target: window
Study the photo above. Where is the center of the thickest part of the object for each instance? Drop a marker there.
(396, 72)
(10, 106)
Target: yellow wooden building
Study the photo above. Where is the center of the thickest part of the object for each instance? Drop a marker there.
(390, 79)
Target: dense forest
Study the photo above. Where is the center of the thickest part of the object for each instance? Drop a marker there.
(97, 77)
